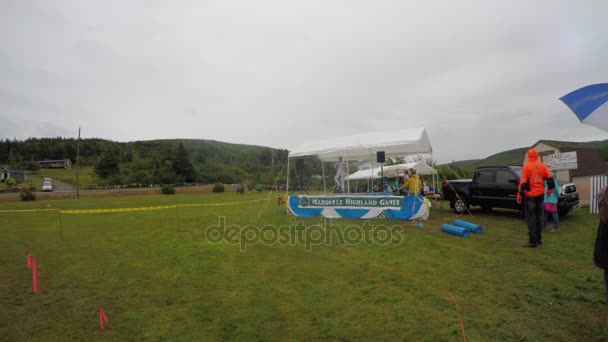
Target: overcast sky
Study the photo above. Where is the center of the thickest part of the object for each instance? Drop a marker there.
(481, 76)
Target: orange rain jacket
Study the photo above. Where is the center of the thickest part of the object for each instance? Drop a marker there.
(533, 174)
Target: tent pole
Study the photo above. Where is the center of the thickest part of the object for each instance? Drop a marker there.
(432, 174)
(323, 172)
(372, 165)
(347, 180)
(287, 184)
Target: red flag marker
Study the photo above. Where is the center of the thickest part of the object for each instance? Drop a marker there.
(31, 263)
(102, 318)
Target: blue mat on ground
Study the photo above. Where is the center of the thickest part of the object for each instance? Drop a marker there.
(454, 230)
(472, 227)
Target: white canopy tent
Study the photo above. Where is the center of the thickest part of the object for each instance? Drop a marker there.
(364, 147)
(362, 174)
(422, 169)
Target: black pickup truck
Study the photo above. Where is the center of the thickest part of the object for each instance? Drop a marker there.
(496, 187)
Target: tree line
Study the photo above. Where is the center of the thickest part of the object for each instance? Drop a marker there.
(155, 161)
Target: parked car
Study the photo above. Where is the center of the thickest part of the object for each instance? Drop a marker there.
(47, 185)
(496, 187)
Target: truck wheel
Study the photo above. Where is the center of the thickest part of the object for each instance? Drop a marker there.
(460, 206)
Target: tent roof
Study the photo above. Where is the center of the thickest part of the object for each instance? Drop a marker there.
(365, 146)
(421, 168)
(362, 174)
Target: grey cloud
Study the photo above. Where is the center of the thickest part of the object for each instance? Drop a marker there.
(481, 76)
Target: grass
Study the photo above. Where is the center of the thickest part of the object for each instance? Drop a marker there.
(87, 177)
(156, 280)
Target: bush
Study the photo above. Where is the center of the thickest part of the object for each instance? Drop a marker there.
(27, 195)
(218, 187)
(167, 190)
(32, 166)
(10, 182)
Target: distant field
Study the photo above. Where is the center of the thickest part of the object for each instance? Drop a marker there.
(87, 176)
(158, 280)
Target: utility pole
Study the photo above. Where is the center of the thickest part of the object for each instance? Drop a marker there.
(78, 166)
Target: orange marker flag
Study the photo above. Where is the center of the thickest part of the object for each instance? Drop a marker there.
(102, 318)
(31, 263)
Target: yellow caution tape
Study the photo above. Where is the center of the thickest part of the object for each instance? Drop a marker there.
(122, 210)
(25, 210)
(219, 204)
(115, 210)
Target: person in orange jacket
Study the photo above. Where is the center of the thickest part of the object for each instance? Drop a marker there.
(532, 193)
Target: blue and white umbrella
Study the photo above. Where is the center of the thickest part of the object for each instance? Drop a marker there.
(590, 104)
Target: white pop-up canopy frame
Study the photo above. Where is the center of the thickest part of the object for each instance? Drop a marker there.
(364, 147)
(421, 168)
(364, 174)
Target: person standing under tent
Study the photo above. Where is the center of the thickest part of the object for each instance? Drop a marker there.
(413, 184)
(532, 193)
(399, 184)
(551, 204)
(339, 177)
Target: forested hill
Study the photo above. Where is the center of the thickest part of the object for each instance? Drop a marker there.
(465, 168)
(154, 161)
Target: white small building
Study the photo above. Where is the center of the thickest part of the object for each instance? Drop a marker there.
(56, 164)
(16, 174)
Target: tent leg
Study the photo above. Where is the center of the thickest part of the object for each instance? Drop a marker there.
(372, 186)
(287, 186)
(323, 172)
(348, 180)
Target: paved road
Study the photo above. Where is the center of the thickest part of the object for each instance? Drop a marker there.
(63, 187)
(68, 188)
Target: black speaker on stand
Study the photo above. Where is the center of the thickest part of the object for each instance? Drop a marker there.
(381, 158)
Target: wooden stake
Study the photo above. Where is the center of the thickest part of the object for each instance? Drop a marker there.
(78, 166)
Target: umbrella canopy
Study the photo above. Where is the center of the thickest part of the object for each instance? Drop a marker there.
(590, 104)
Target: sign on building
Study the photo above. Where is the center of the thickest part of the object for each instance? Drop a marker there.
(563, 161)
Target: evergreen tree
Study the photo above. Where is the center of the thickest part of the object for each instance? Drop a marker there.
(182, 166)
(107, 164)
(32, 166)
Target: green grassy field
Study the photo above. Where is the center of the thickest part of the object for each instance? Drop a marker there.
(87, 177)
(157, 280)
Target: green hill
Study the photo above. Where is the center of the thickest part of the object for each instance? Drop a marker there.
(464, 168)
(510, 157)
(463, 163)
(156, 161)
